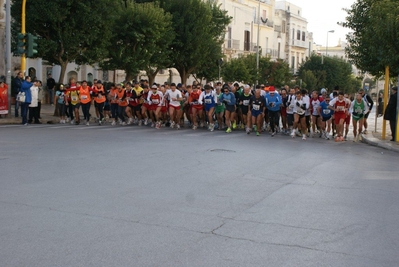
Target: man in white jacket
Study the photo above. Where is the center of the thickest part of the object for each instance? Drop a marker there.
(34, 105)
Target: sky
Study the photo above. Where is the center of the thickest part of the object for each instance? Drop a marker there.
(322, 16)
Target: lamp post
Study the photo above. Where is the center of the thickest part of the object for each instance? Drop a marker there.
(332, 31)
(257, 45)
(279, 45)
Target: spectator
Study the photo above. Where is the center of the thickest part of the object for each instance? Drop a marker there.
(41, 95)
(34, 104)
(50, 88)
(25, 88)
(390, 111)
(18, 80)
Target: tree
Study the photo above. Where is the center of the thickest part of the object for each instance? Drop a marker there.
(199, 27)
(309, 80)
(142, 33)
(332, 72)
(243, 69)
(66, 31)
(373, 42)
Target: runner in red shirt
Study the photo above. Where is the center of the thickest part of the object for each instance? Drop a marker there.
(341, 108)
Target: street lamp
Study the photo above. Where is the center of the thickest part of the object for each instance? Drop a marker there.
(332, 31)
(257, 46)
(279, 44)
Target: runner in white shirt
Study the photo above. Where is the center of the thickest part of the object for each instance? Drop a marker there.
(174, 96)
(300, 107)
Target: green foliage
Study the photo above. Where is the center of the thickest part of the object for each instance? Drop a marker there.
(68, 30)
(142, 34)
(243, 69)
(373, 42)
(332, 72)
(199, 27)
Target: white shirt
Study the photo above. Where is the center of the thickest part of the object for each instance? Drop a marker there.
(290, 104)
(299, 110)
(34, 90)
(160, 100)
(203, 94)
(173, 95)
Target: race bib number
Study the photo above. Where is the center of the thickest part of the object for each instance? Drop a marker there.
(84, 97)
(245, 102)
(341, 108)
(300, 111)
(74, 98)
(326, 111)
(208, 101)
(256, 107)
(155, 101)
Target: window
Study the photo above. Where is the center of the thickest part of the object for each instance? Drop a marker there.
(298, 35)
(293, 34)
(247, 40)
(283, 26)
(303, 36)
(267, 45)
(264, 14)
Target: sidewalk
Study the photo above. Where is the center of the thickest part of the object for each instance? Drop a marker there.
(46, 115)
(374, 138)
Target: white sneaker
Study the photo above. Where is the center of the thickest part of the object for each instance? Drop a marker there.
(304, 137)
(123, 123)
(172, 124)
(72, 122)
(113, 123)
(130, 121)
(178, 126)
(140, 122)
(293, 134)
(87, 123)
(211, 127)
(145, 121)
(67, 120)
(327, 136)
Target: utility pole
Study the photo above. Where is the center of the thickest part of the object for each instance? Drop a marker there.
(8, 52)
(23, 31)
(257, 46)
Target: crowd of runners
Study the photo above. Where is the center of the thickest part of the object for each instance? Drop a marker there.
(229, 107)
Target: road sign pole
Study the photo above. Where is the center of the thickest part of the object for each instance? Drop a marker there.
(23, 31)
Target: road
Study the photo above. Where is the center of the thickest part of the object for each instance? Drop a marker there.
(130, 196)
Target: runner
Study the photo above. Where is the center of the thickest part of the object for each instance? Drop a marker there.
(300, 106)
(273, 103)
(283, 109)
(370, 104)
(155, 100)
(325, 113)
(341, 108)
(134, 96)
(244, 100)
(113, 98)
(290, 109)
(229, 100)
(257, 106)
(196, 107)
(85, 101)
(209, 98)
(174, 96)
(315, 102)
(60, 98)
(220, 108)
(348, 116)
(99, 100)
(73, 103)
(358, 108)
(145, 107)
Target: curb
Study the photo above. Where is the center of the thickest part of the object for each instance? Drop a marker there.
(370, 140)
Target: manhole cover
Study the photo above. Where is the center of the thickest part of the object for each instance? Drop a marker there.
(222, 150)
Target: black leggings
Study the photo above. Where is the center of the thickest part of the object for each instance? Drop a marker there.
(274, 117)
(86, 111)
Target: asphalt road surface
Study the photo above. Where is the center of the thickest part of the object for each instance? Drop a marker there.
(130, 196)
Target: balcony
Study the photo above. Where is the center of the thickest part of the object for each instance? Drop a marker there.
(299, 43)
(232, 44)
